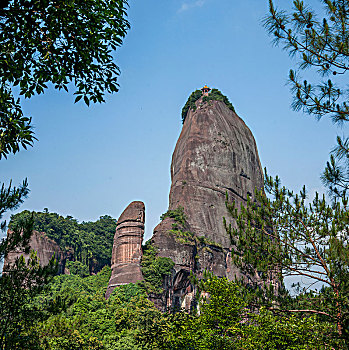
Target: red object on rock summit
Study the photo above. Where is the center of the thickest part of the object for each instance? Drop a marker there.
(205, 90)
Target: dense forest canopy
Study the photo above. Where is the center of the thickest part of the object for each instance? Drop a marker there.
(91, 242)
(72, 313)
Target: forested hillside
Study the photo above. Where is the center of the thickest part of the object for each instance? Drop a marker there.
(89, 242)
(72, 313)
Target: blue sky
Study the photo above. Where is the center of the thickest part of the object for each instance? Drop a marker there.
(94, 161)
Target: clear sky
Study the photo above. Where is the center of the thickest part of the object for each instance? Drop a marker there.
(94, 161)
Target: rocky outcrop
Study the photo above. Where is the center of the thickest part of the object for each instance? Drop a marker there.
(45, 248)
(127, 247)
(215, 155)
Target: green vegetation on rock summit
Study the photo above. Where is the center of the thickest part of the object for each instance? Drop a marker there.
(214, 95)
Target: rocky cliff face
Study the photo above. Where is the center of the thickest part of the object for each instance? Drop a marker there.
(45, 248)
(127, 247)
(215, 154)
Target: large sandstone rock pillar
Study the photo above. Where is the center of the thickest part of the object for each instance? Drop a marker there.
(127, 247)
(215, 154)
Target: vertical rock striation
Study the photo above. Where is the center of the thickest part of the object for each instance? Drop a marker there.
(215, 154)
(127, 247)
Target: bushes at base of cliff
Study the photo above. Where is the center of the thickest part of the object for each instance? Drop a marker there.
(224, 322)
(87, 321)
(154, 268)
(129, 321)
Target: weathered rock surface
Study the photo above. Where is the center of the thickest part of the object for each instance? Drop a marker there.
(215, 154)
(127, 247)
(45, 248)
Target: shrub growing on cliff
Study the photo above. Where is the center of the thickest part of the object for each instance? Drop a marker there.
(177, 214)
(214, 95)
(154, 268)
(181, 233)
(190, 104)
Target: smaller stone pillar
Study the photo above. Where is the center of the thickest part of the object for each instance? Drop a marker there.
(127, 247)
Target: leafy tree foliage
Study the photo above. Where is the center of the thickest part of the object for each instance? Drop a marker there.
(65, 290)
(15, 129)
(10, 199)
(128, 320)
(321, 44)
(216, 95)
(77, 268)
(281, 231)
(154, 268)
(190, 104)
(224, 322)
(19, 283)
(99, 236)
(92, 242)
(86, 320)
(65, 43)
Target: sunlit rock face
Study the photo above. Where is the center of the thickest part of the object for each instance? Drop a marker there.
(127, 247)
(215, 155)
(45, 248)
